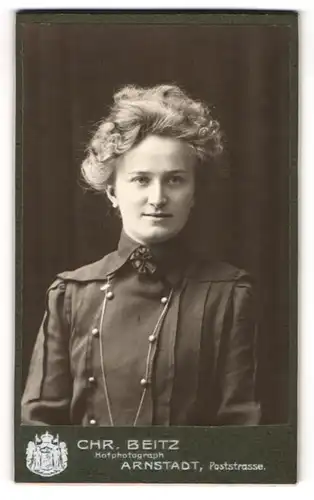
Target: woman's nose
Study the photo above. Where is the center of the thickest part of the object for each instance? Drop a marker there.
(157, 195)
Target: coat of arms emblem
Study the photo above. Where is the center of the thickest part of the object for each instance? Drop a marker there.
(46, 455)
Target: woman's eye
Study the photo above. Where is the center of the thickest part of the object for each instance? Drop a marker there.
(141, 180)
(175, 179)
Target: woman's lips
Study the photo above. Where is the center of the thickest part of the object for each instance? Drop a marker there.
(158, 216)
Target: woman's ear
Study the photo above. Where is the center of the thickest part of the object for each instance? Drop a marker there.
(110, 191)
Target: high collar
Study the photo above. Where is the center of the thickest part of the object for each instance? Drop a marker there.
(171, 249)
(171, 255)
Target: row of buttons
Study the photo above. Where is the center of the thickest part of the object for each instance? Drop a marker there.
(95, 333)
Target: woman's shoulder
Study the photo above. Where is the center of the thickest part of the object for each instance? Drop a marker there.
(208, 269)
(95, 271)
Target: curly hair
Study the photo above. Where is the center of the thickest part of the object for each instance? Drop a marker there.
(164, 110)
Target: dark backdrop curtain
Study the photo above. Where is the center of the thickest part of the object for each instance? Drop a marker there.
(69, 74)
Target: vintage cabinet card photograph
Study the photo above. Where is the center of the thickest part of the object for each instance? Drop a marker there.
(156, 247)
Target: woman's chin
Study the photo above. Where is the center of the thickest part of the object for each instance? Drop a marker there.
(156, 235)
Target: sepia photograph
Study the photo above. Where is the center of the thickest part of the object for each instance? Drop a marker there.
(156, 156)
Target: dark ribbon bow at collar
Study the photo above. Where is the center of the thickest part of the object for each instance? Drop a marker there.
(143, 261)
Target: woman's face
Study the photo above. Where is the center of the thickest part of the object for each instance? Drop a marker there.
(154, 189)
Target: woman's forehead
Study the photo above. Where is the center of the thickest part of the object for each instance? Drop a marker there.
(158, 153)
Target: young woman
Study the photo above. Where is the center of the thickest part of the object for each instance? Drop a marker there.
(154, 333)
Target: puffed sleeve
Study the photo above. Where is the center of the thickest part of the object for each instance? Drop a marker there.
(237, 398)
(47, 395)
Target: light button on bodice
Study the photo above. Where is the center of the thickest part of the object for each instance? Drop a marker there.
(164, 300)
(144, 382)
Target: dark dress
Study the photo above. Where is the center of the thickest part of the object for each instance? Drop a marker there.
(124, 343)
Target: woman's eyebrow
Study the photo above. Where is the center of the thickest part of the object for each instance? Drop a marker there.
(149, 172)
(176, 171)
(139, 172)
